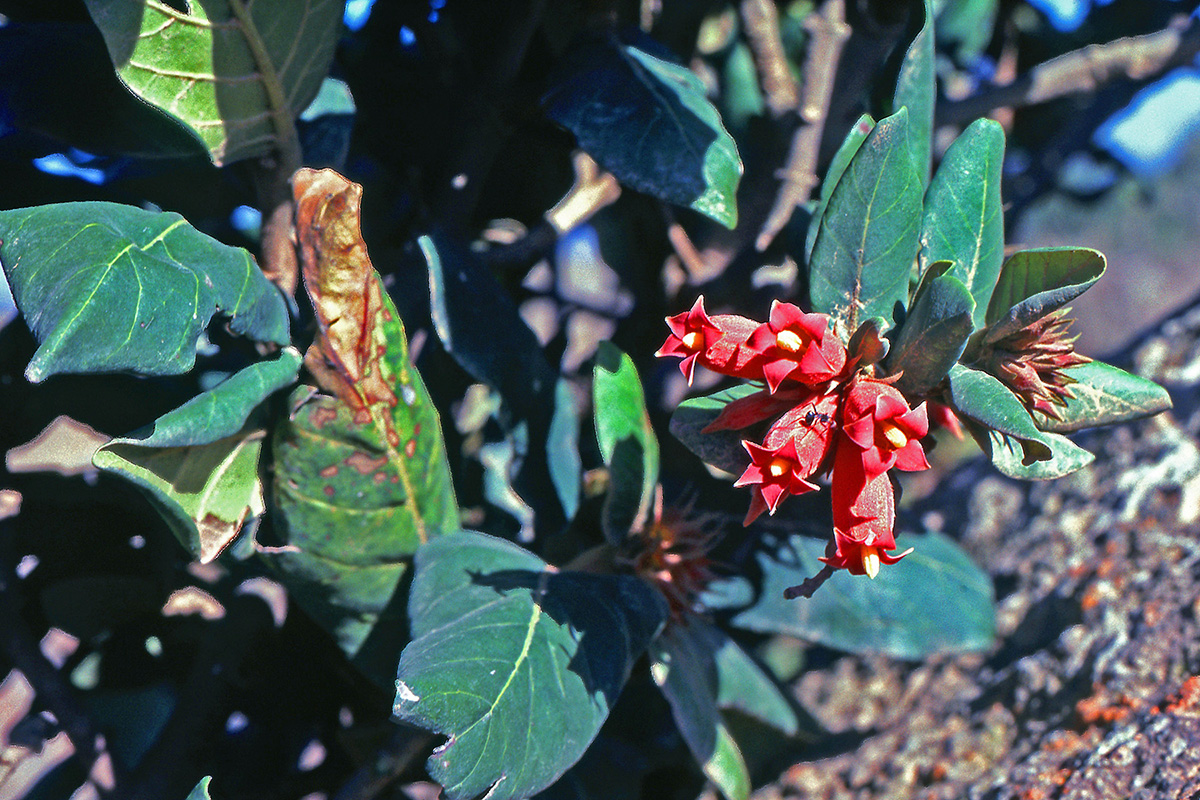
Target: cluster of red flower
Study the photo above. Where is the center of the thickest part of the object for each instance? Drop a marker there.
(829, 415)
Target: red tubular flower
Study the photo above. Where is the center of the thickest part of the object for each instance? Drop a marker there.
(864, 515)
(880, 425)
(718, 343)
(798, 346)
(777, 473)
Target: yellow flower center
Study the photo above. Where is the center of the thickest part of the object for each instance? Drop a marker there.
(895, 437)
(778, 467)
(692, 340)
(870, 559)
(789, 341)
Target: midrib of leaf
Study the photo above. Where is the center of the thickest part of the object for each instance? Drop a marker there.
(524, 654)
(281, 117)
(219, 472)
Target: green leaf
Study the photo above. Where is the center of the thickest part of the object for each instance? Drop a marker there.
(916, 90)
(722, 449)
(205, 492)
(562, 448)
(1007, 456)
(979, 396)
(201, 790)
(868, 237)
(837, 168)
(1034, 283)
(516, 663)
(935, 332)
(106, 287)
(742, 685)
(935, 600)
(627, 442)
(681, 663)
(968, 23)
(236, 72)
(964, 220)
(224, 409)
(681, 153)
(1104, 395)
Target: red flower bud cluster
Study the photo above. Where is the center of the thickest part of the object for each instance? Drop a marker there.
(826, 415)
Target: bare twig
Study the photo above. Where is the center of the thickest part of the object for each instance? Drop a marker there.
(1132, 57)
(761, 20)
(828, 32)
(809, 585)
(593, 190)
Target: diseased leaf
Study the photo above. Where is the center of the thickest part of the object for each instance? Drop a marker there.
(361, 476)
(935, 332)
(224, 409)
(722, 449)
(964, 221)
(236, 72)
(916, 90)
(868, 237)
(1104, 395)
(681, 153)
(841, 159)
(1006, 455)
(1034, 283)
(542, 656)
(681, 663)
(627, 443)
(206, 492)
(935, 600)
(106, 287)
(982, 397)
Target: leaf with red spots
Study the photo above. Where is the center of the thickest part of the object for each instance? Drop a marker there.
(361, 477)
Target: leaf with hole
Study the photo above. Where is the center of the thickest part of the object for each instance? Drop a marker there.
(681, 153)
(868, 237)
(964, 221)
(236, 72)
(517, 663)
(106, 287)
(934, 600)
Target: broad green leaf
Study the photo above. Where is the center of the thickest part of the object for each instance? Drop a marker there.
(106, 287)
(1006, 455)
(1034, 283)
(868, 237)
(562, 448)
(627, 442)
(722, 449)
(682, 664)
(982, 397)
(681, 153)
(224, 409)
(964, 221)
(841, 159)
(742, 685)
(916, 90)
(1104, 395)
(518, 664)
(361, 477)
(201, 790)
(236, 72)
(934, 334)
(205, 492)
(935, 600)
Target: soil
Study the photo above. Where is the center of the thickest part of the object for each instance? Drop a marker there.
(1092, 689)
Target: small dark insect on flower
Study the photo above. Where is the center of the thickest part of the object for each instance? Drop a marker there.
(813, 416)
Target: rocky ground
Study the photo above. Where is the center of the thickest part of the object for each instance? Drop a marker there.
(1093, 687)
